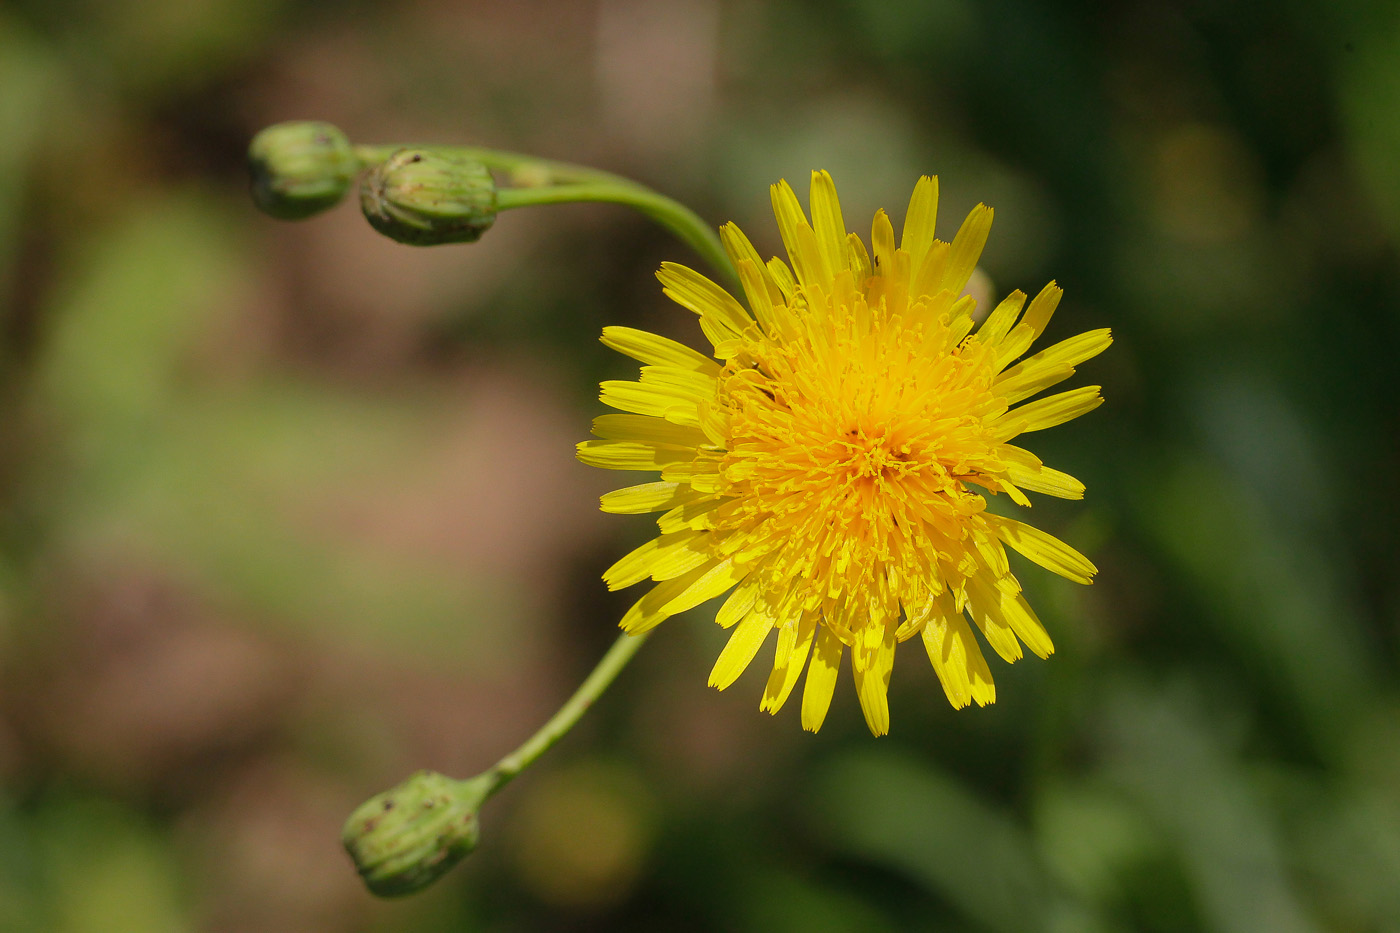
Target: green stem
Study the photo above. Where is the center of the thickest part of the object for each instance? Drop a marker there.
(674, 216)
(561, 722)
(543, 181)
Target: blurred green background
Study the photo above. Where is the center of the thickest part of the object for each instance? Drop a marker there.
(289, 510)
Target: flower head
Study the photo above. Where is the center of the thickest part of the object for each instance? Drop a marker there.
(830, 464)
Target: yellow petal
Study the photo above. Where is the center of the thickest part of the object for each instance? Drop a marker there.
(632, 455)
(647, 429)
(857, 259)
(1051, 365)
(691, 290)
(1003, 612)
(653, 348)
(984, 602)
(782, 275)
(821, 679)
(715, 579)
(1026, 624)
(738, 604)
(684, 592)
(647, 497)
(827, 223)
(756, 290)
(696, 516)
(1042, 307)
(740, 650)
(660, 552)
(873, 684)
(882, 239)
(801, 242)
(1025, 470)
(961, 316)
(957, 658)
(1047, 412)
(788, 666)
(699, 386)
(1016, 343)
(967, 248)
(737, 245)
(1045, 549)
(929, 276)
(993, 555)
(998, 323)
(809, 263)
(1007, 486)
(919, 221)
(702, 471)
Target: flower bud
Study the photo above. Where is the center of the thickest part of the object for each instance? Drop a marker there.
(409, 836)
(424, 197)
(300, 168)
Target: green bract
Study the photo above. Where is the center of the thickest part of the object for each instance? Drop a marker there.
(409, 836)
(425, 197)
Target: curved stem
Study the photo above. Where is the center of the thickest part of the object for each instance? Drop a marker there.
(674, 216)
(561, 722)
(543, 181)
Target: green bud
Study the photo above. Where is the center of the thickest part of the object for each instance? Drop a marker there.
(300, 168)
(409, 836)
(424, 197)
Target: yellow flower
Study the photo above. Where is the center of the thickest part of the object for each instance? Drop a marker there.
(830, 467)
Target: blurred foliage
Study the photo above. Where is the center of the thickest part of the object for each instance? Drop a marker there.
(288, 511)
